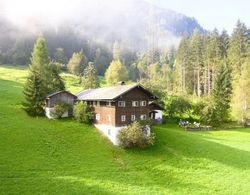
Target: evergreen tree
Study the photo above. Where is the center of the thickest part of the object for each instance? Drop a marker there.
(221, 94)
(43, 79)
(196, 47)
(39, 56)
(77, 63)
(54, 80)
(224, 44)
(34, 94)
(102, 59)
(89, 77)
(116, 72)
(182, 68)
(238, 49)
(59, 56)
(212, 59)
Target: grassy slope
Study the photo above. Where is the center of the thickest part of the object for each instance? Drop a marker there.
(38, 155)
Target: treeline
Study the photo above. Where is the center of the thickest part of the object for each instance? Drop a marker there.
(216, 66)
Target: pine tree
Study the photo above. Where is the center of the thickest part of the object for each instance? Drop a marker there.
(89, 77)
(43, 79)
(116, 72)
(54, 80)
(196, 47)
(221, 93)
(238, 49)
(34, 94)
(224, 44)
(182, 67)
(77, 63)
(213, 60)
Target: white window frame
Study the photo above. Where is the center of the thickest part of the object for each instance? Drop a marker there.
(143, 116)
(135, 103)
(121, 103)
(109, 118)
(123, 118)
(109, 103)
(143, 103)
(133, 117)
(97, 117)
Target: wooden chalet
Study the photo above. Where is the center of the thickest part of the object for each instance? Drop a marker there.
(116, 107)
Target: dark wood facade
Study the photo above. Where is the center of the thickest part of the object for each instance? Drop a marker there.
(131, 106)
(61, 96)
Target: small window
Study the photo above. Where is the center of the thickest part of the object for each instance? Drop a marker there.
(132, 117)
(121, 103)
(143, 103)
(97, 117)
(135, 103)
(109, 132)
(123, 118)
(108, 103)
(143, 117)
(109, 118)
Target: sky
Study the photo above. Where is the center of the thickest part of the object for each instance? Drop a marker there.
(221, 14)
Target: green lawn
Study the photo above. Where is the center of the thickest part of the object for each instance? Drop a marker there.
(44, 156)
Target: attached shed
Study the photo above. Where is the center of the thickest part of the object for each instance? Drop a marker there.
(155, 112)
(60, 96)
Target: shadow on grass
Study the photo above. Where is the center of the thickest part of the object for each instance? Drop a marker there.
(133, 181)
(178, 143)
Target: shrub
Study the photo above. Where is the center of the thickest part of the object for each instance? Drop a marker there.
(135, 136)
(82, 112)
(176, 106)
(59, 109)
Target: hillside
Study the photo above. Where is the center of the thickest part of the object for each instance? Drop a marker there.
(44, 156)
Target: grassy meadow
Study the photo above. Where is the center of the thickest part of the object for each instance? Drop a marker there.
(41, 156)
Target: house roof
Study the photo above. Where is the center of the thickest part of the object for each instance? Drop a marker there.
(109, 93)
(58, 92)
(155, 106)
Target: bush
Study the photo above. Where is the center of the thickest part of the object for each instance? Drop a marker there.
(176, 106)
(135, 136)
(82, 113)
(59, 109)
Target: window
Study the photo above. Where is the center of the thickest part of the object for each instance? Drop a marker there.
(121, 103)
(109, 132)
(135, 103)
(132, 117)
(143, 116)
(123, 118)
(97, 117)
(108, 103)
(109, 118)
(143, 103)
